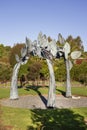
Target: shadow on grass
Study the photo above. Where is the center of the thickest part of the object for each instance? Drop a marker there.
(58, 119)
(36, 89)
(62, 92)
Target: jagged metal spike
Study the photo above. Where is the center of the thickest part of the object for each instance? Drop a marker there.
(61, 39)
(23, 51)
(39, 36)
(44, 42)
(75, 54)
(53, 47)
(28, 41)
(28, 44)
(66, 49)
(34, 43)
(38, 51)
(70, 65)
(17, 58)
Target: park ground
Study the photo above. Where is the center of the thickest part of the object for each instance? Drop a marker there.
(71, 118)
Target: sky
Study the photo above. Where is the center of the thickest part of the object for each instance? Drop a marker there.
(26, 18)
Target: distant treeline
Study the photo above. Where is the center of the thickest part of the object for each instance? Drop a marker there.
(36, 68)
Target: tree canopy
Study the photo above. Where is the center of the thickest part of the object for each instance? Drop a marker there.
(37, 68)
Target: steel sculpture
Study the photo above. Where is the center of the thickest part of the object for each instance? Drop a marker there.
(47, 50)
(20, 61)
(67, 54)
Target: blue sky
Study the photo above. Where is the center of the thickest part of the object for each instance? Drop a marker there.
(21, 18)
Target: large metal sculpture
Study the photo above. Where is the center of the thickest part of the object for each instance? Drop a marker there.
(28, 49)
(20, 61)
(47, 50)
(67, 56)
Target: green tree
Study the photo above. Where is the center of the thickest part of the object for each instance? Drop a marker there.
(44, 69)
(75, 43)
(5, 72)
(4, 53)
(16, 49)
(34, 71)
(24, 69)
(1, 50)
(59, 69)
(79, 72)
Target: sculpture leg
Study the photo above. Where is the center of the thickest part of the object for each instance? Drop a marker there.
(51, 93)
(13, 90)
(68, 84)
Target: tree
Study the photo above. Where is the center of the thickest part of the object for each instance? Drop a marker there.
(1, 50)
(4, 53)
(59, 69)
(75, 43)
(79, 72)
(34, 70)
(15, 50)
(22, 80)
(5, 72)
(23, 69)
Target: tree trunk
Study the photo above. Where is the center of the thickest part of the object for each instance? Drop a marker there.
(14, 91)
(68, 83)
(51, 92)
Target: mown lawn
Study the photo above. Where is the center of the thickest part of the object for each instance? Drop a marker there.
(57, 119)
(37, 119)
(5, 92)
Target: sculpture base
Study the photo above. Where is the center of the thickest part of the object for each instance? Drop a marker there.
(49, 107)
(14, 98)
(68, 96)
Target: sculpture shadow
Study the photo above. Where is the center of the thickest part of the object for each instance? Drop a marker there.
(36, 89)
(58, 119)
(62, 92)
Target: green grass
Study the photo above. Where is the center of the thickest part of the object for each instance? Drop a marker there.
(82, 91)
(17, 118)
(58, 119)
(5, 92)
(81, 111)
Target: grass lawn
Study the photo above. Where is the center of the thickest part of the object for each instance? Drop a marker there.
(82, 91)
(5, 92)
(58, 119)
